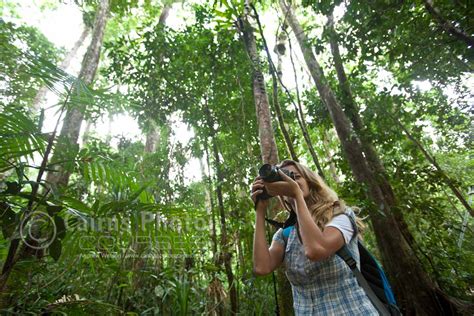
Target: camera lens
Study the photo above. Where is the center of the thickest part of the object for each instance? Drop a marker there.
(265, 171)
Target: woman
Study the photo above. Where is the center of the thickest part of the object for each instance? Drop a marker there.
(321, 282)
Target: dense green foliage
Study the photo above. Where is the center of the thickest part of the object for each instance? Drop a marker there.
(133, 233)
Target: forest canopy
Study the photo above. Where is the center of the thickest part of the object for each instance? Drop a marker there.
(127, 156)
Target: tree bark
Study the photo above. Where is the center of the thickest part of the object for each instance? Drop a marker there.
(74, 117)
(281, 121)
(268, 146)
(415, 291)
(211, 201)
(152, 138)
(41, 95)
(87, 131)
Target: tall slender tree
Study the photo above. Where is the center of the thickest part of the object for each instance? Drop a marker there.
(433, 161)
(332, 168)
(416, 292)
(268, 146)
(352, 111)
(225, 253)
(151, 143)
(210, 199)
(152, 134)
(41, 95)
(276, 76)
(299, 111)
(74, 116)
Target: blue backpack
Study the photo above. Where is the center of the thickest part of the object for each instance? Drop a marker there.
(370, 277)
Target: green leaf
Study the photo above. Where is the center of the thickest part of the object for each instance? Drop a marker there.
(76, 204)
(137, 193)
(96, 205)
(20, 171)
(19, 136)
(55, 249)
(8, 220)
(60, 227)
(221, 14)
(159, 291)
(53, 209)
(12, 188)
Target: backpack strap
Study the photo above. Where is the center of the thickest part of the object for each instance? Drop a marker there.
(286, 233)
(354, 226)
(345, 254)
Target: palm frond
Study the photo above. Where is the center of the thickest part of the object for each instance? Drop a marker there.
(19, 137)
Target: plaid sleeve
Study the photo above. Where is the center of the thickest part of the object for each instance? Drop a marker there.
(278, 236)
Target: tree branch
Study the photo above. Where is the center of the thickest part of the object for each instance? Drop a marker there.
(448, 26)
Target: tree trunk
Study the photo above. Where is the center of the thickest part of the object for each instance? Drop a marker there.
(352, 111)
(225, 253)
(108, 137)
(240, 253)
(73, 119)
(415, 291)
(301, 119)
(281, 121)
(268, 146)
(153, 135)
(152, 140)
(41, 95)
(87, 131)
(26, 251)
(280, 48)
(373, 159)
(211, 203)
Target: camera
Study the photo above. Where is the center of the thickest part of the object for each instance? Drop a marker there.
(269, 173)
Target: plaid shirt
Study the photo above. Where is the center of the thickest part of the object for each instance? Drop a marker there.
(326, 287)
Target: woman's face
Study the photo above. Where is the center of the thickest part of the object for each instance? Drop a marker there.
(299, 179)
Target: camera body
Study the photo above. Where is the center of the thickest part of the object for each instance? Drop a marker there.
(269, 173)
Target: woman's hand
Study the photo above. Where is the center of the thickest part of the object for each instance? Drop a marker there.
(257, 189)
(287, 187)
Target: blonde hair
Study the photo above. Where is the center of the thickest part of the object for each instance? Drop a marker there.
(323, 202)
